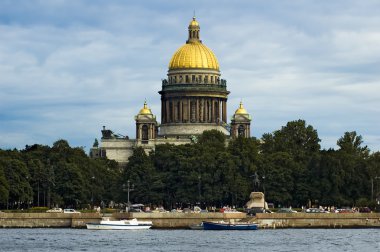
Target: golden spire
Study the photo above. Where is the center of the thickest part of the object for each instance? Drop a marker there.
(241, 110)
(145, 110)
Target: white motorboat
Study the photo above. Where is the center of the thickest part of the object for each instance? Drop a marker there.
(107, 224)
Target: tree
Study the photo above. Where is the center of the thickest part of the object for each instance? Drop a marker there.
(301, 143)
(351, 143)
(70, 184)
(4, 187)
(279, 185)
(141, 173)
(17, 175)
(353, 159)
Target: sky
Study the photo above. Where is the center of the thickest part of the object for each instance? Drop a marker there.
(68, 67)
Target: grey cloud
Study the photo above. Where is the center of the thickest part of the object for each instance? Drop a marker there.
(66, 76)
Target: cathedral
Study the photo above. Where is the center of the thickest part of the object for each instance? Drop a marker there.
(193, 99)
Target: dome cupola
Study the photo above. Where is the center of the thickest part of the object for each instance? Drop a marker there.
(241, 110)
(194, 54)
(145, 110)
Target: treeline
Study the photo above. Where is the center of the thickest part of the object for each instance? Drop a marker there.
(55, 176)
(288, 165)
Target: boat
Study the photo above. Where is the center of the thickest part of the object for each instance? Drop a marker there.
(107, 224)
(221, 225)
(197, 226)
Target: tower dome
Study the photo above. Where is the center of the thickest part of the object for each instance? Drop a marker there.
(145, 110)
(241, 110)
(194, 54)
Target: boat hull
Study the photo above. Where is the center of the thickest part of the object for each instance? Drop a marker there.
(107, 224)
(228, 226)
(95, 226)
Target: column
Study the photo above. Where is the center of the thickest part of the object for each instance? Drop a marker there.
(197, 111)
(225, 111)
(188, 109)
(206, 110)
(163, 119)
(213, 110)
(167, 116)
(140, 132)
(202, 110)
(180, 112)
(173, 110)
(209, 109)
(137, 131)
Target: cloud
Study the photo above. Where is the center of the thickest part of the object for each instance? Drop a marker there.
(68, 68)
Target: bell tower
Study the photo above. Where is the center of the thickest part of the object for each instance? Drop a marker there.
(241, 123)
(146, 125)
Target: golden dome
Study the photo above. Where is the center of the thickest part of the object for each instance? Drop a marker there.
(241, 110)
(145, 110)
(194, 54)
(193, 22)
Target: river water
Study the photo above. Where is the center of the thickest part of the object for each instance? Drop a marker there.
(190, 240)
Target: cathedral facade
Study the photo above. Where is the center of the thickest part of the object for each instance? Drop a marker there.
(193, 99)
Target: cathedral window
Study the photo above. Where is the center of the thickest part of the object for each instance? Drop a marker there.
(241, 130)
(212, 79)
(144, 137)
(187, 79)
(193, 78)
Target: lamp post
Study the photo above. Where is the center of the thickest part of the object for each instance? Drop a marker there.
(92, 191)
(129, 189)
(372, 186)
(199, 189)
(263, 184)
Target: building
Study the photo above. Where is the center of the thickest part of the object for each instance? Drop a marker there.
(193, 99)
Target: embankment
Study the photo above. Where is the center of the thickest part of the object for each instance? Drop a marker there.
(318, 220)
(47, 220)
(183, 220)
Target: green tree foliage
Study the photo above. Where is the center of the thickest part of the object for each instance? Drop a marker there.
(279, 181)
(353, 158)
(351, 143)
(301, 143)
(141, 173)
(56, 176)
(4, 187)
(214, 171)
(17, 175)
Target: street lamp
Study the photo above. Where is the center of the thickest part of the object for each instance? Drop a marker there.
(263, 184)
(129, 189)
(92, 191)
(372, 186)
(199, 189)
